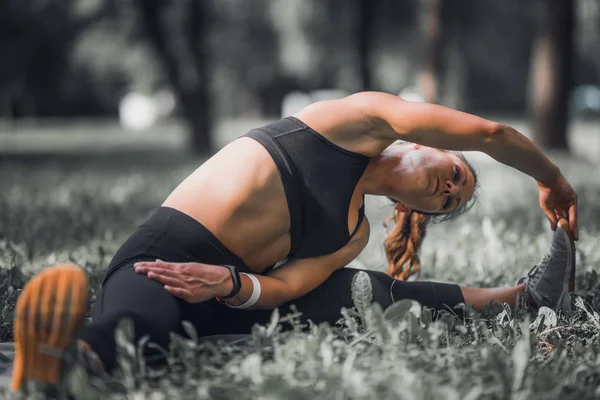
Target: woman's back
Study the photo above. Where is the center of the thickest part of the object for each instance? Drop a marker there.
(238, 195)
(285, 176)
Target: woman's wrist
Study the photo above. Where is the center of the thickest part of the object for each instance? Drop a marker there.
(227, 285)
(239, 298)
(516, 150)
(248, 299)
(551, 177)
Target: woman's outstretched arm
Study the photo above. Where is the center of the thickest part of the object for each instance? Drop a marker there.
(437, 126)
(386, 118)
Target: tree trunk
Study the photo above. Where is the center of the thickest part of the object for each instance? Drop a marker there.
(199, 112)
(196, 109)
(431, 26)
(365, 33)
(188, 73)
(551, 69)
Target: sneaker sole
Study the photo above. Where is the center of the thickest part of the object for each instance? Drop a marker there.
(49, 313)
(564, 302)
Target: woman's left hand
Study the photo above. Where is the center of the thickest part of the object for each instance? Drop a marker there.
(559, 200)
(192, 282)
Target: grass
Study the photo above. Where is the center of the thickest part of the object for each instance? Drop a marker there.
(80, 210)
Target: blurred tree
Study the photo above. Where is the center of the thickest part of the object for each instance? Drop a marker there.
(494, 38)
(177, 31)
(251, 80)
(331, 32)
(72, 57)
(431, 25)
(36, 39)
(552, 66)
(365, 13)
(441, 78)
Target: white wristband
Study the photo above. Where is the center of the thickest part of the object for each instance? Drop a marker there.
(255, 292)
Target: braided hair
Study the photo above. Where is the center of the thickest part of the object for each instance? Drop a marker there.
(404, 240)
(402, 244)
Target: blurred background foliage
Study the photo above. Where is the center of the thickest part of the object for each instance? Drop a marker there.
(239, 58)
(79, 57)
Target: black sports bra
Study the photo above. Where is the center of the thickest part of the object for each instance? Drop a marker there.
(319, 178)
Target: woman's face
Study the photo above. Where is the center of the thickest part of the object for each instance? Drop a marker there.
(433, 180)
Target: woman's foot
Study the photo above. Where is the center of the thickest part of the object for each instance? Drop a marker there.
(50, 311)
(552, 280)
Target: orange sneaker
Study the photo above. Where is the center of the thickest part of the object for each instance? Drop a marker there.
(50, 311)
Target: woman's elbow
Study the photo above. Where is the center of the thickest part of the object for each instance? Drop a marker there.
(285, 297)
(493, 133)
(279, 297)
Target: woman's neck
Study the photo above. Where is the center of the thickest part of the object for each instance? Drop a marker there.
(383, 171)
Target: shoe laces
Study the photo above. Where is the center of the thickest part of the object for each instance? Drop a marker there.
(536, 272)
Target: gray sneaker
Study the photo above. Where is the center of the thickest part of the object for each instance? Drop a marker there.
(552, 280)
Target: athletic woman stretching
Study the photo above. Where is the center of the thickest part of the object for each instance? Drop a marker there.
(271, 217)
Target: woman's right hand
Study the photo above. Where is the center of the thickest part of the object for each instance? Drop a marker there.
(191, 281)
(559, 200)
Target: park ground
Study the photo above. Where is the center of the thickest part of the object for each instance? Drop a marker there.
(76, 198)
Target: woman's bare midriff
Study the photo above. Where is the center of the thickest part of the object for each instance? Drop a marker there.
(238, 195)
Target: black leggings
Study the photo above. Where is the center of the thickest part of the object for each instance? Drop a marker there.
(155, 312)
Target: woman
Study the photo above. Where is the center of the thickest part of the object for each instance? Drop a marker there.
(272, 216)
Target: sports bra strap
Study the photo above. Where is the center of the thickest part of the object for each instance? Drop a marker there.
(361, 216)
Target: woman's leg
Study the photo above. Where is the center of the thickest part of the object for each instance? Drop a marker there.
(126, 294)
(324, 304)
(51, 310)
(479, 298)
(153, 311)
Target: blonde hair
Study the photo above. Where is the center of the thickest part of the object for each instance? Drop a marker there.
(402, 244)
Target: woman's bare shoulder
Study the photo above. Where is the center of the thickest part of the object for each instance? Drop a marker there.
(348, 122)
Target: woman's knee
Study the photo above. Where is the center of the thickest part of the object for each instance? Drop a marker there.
(136, 295)
(99, 335)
